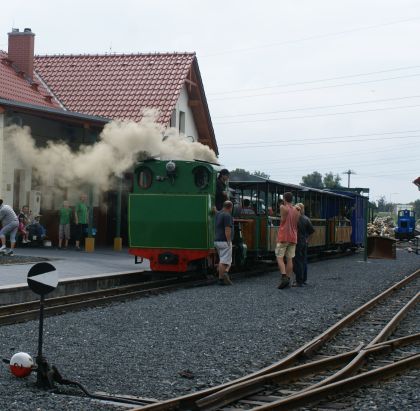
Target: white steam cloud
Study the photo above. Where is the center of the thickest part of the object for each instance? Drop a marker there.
(121, 145)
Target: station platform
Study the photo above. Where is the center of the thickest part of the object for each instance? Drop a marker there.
(70, 264)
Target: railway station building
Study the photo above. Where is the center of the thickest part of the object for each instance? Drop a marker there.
(70, 98)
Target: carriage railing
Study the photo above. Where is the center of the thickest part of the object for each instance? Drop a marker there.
(259, 232)
(272, 232)
(318, 238)
(339, 230)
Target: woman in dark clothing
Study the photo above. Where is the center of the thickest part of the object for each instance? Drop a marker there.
(304, 230)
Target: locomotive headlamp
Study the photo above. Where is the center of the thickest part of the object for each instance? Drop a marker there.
(170, 168)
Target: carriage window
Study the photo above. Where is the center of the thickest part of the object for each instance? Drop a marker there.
(145, 178)
(201, 177)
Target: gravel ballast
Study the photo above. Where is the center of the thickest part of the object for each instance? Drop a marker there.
(213, 334)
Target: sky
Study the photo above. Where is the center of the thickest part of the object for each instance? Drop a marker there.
(293, 86)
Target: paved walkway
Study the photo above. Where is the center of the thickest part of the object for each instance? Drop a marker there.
(71, 263)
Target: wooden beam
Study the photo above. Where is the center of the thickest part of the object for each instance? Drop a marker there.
(194, 103)
(192, 83)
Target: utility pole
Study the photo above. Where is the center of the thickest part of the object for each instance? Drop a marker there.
(348, 172)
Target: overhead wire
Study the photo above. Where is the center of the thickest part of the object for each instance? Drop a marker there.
(319, 107)
(406, 172)
(308, 38)
(324, 142)
(314, 88)
(359, 174)
(317, 139)
(330, 155)
(325, 87)
(296, 167)
(318, 115)
(297, 83)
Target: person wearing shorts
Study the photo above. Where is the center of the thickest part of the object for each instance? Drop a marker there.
(287, 239)
(223, 241)
(64, 226)
(10, 224)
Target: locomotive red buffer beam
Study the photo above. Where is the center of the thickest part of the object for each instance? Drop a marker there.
(169, 259)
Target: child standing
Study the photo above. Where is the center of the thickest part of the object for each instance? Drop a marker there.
(64, 227)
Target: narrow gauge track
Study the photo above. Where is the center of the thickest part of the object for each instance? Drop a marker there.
(346, 346)
(14, 313)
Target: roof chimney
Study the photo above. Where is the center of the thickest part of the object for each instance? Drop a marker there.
(21, 50)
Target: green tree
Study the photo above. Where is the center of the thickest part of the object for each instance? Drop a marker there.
(382, 203)
(261, 174)
(384, 206)
(313, 180)
(331, 181)
(240, 173)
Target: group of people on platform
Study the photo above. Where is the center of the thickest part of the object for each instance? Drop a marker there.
(28, 226)
(80, 216)
(25, 224)
(292, 240)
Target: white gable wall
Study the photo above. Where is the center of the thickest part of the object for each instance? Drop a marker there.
(10, 173)
(182, 106)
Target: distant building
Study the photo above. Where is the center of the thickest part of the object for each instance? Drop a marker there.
(71, 98)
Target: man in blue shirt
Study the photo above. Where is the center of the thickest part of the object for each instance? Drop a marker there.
(223, 241)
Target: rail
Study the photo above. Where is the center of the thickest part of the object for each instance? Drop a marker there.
(220, 396)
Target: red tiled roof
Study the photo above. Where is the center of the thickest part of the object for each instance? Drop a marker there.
(116, 86)
(14, 86)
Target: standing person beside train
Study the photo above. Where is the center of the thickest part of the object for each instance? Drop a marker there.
(64, 225)
(304, 231)
(286, 239)
(81, 219)
(223, 241)
(222, 188)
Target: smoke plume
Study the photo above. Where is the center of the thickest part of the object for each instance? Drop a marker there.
(121, 144)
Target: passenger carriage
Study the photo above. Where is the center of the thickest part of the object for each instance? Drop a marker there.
(337, 217)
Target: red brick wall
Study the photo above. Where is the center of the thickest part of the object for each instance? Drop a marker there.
(21, 51)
